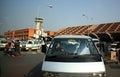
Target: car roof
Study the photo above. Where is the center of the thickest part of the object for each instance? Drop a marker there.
(73, 36)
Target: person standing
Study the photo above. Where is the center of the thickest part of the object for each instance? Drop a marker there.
(118, 51)
(17, 47)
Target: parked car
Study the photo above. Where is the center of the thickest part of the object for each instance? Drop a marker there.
(112, 47)
(31, 45)
(96, 41)
(22, 44)
(2, 44)
(72, 56)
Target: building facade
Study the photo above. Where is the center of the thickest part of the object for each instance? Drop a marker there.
(21, 34)
(9, 34)
(24, 34)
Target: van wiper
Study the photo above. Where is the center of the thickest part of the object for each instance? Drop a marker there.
(85, 55)
(74, 56)
(59, 55)
(51, 55)
(55, 55)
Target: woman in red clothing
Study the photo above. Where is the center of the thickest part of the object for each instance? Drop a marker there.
(8, 48)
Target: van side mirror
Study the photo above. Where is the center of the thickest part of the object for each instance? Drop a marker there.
(44, 48)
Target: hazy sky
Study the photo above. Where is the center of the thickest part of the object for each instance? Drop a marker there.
(20, 14)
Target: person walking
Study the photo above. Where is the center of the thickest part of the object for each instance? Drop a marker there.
(17, 47)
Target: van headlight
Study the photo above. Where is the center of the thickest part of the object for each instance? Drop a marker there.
(99, 74)
(48, 74)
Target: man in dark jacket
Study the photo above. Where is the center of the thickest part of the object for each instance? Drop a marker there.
(17, 47)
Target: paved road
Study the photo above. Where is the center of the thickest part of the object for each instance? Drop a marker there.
(29, 65)
(113, 70)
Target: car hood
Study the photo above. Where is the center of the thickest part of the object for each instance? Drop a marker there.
(73, 67)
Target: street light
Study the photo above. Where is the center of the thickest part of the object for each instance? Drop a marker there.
(50, 6)
(38, 9)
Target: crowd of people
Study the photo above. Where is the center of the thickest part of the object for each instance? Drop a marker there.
(12, 48)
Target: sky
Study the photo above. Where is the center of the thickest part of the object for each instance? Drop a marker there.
(20, 14)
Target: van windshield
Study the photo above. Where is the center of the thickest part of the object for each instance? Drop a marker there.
(71, 48)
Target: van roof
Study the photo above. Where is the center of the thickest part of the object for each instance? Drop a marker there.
(72, 36)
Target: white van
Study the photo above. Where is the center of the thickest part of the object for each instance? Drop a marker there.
(73, 56)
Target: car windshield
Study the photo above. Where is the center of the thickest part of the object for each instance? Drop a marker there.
(23, 42)
(30, 42)
(72, 46)
(4, 41)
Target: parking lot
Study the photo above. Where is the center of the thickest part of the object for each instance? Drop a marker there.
(29, 65)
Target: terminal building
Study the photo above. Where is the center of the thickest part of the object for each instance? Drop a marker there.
(21, 33)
